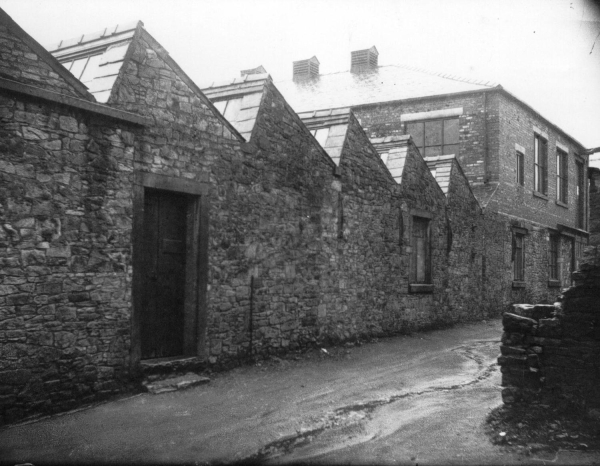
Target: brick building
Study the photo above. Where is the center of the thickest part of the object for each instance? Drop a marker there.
(521, 168)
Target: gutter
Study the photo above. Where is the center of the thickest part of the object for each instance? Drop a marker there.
(592, 151)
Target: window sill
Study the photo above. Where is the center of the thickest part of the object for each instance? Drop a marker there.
(518, 284)
(562, 204)
(421, 288)
(540, 195)
(553, 283)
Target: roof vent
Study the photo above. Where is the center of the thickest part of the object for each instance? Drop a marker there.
(362, 60)
(305, 69)
(258, 70)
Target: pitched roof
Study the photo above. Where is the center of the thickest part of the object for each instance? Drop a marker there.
(441, 167)
(96, 58)
(382, 84)
(238, 100)
(329, 127)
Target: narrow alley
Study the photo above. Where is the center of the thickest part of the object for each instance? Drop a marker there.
(412, 399)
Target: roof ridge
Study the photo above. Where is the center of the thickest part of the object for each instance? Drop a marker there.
(113, 30)
(256, 78)
(480, 82)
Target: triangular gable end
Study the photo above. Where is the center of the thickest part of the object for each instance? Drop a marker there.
(41, 69)
(164, 55)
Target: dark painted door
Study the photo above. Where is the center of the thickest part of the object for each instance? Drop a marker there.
(164, 271)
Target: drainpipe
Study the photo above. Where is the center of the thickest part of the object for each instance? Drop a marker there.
(251, 326)
(485, 130)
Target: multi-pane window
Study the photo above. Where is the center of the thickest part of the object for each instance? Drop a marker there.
(421, 257)
(518, 257)
(434, 137)
(84, 68)
(562, 176)
(540, 164)
(520, 162)
(230, 109)
(553, 258)
(580, 196)
(320, 135)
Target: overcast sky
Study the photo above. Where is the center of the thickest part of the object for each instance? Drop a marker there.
(546, 52)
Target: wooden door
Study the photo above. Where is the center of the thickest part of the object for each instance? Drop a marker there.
(162, 316)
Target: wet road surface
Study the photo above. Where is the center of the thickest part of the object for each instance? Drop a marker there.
(404, 400)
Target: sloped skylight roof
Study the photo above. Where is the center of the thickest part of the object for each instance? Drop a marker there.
(96, 59)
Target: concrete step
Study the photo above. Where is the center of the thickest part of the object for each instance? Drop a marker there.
(173, 384)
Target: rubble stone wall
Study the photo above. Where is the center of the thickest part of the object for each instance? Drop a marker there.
(65, 227)
(20, 63)
(553, 351)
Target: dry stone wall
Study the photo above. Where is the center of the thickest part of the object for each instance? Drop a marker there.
(552, 352)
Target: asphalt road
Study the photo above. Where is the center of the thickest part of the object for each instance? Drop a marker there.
(419, 399)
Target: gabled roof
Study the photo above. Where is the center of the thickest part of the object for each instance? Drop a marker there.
(96, 58)
(441, 168)
(238, 100)
(73, 84)
(383, 84)
(329, 127)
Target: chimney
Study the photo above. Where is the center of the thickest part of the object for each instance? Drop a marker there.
(258, 70)
(306, 69)
(362, 60)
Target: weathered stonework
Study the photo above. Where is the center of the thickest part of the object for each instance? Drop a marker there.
(551, 352)
(286, 246)
(65, 257)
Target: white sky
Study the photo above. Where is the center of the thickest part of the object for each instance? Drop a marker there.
(546, 52)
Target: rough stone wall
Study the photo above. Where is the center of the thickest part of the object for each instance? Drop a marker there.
(419, 191)
(517, 127)
(464, 249)
(366, 281)
(20, 63)
(189, 141)
(65, 212)
(553, 352)
(291, 221)
(594, 227)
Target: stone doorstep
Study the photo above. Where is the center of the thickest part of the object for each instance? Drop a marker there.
(167, 367)
(175, 383)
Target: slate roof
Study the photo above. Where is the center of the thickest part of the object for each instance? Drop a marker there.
(329, 128)
(96, 58)
(441, 167)
(239, 100)
(383, 84)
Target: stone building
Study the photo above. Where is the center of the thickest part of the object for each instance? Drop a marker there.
(65, 216)
(138, 196)
(150, 226)
(522, 169)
